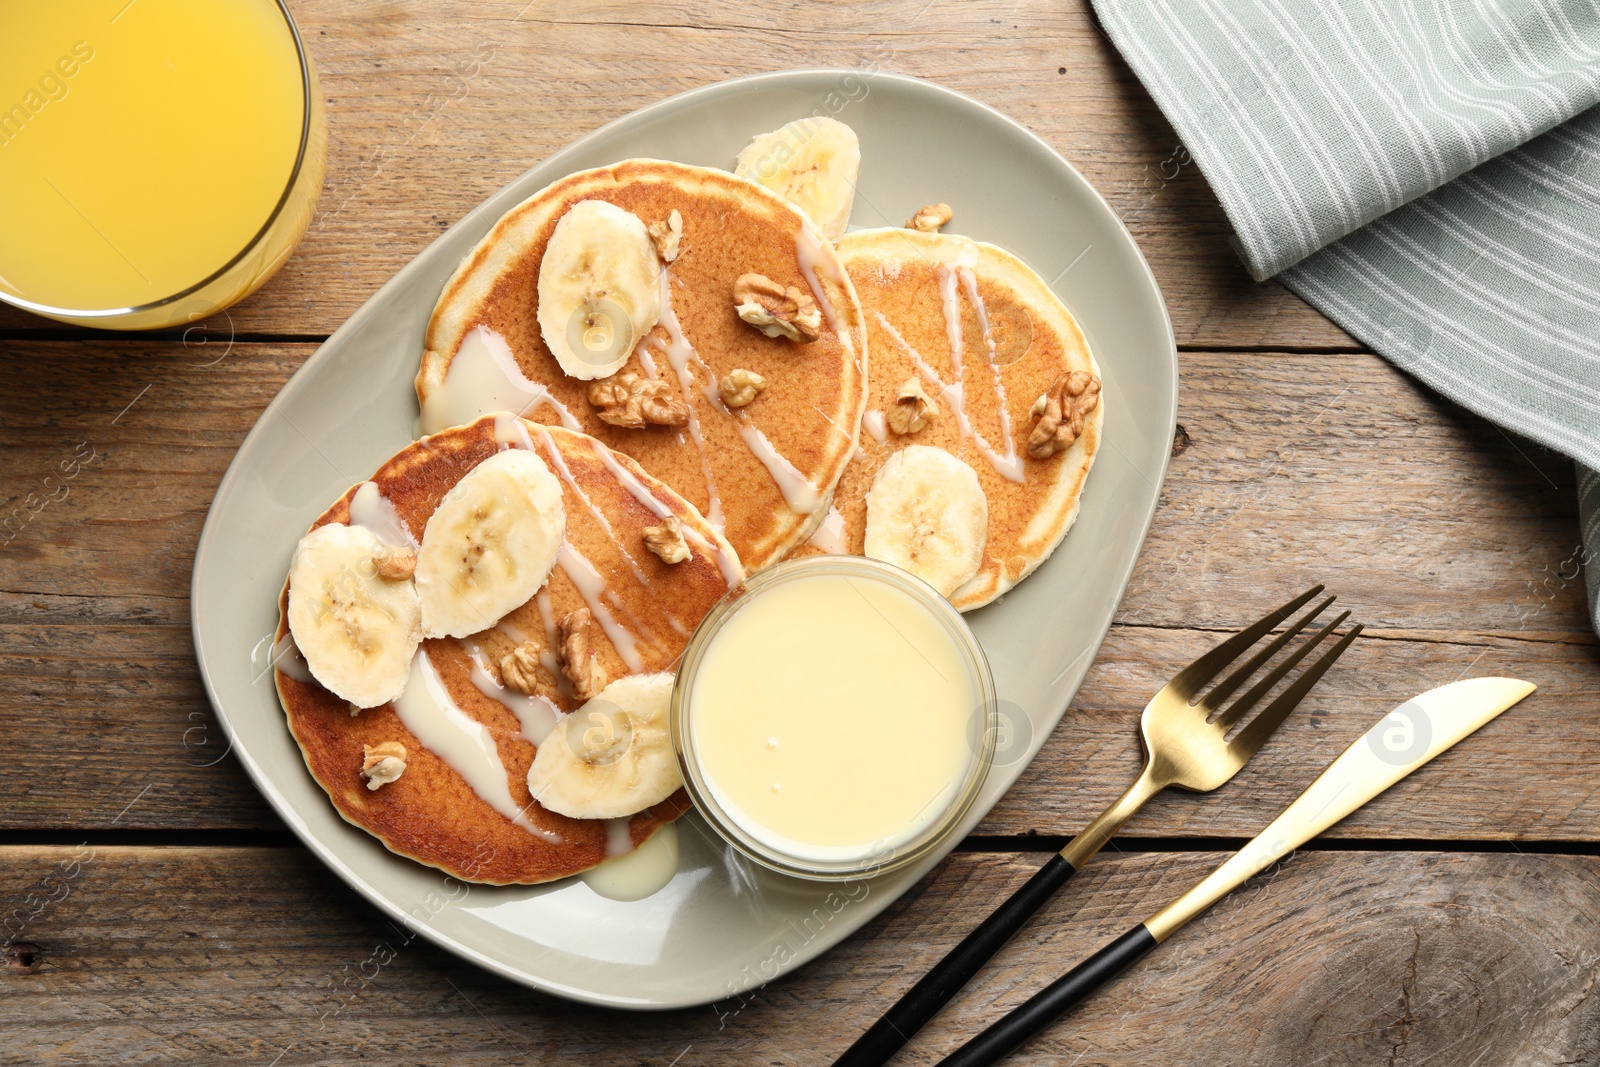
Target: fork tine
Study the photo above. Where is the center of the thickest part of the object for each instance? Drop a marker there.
(1236, 711)
(1189, 680)
(1260, 728)
(1224, 689)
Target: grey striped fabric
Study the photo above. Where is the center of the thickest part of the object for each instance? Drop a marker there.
(1427, 174)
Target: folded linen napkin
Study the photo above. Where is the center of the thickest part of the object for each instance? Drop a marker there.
(1426, 173)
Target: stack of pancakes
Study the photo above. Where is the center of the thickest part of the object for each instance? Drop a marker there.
(786, 475)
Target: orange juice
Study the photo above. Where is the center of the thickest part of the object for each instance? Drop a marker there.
(158, 158)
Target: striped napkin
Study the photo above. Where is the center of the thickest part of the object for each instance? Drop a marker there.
(1426, 173)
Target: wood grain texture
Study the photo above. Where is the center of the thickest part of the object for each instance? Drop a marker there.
(1452, 541)
(178, 956)
(432, 106)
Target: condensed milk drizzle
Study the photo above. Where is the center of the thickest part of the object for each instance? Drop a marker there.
(678, 350)
(536, 715)
(464, 743)
(830, 536)
(592, 587)
(371, 509)
(808, 251)
(599, 516)
(969, 282)
(1008, 464)
(484, 377)
(801, 496)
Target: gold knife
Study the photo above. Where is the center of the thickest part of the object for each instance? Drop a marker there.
(1404, 740)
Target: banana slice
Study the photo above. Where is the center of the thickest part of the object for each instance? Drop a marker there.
(813, 163)
(356, 630)
(613, 756)
(599, 288)
(927, 513)
(490, 544)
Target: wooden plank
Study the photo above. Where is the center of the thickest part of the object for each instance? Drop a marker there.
(433, 106)
(1327, 468)
(177, 956)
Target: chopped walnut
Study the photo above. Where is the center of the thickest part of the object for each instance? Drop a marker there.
(394, 564)
(929, 218)
(383, 763)
(632, 402)
(913, 408)
(1060, 411)
(578, 661)
(777, 310)
(519, 668)
(667, 235)
(739, 387)
(666, 540)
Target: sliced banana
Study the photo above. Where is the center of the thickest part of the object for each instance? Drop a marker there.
(813, 163)
(927, 513)
(611, 757)
(490, 544)
(356, 630)
(599, 288)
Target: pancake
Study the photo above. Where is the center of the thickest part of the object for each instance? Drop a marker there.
(917, 290)
(646, 610)
(762, 473)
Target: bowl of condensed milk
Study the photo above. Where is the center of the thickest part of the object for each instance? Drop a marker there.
(834, 717)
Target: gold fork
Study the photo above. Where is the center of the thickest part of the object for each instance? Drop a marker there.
(1186, 744)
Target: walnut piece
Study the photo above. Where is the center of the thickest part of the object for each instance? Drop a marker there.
(578, 661)
(667, 235)
(739, 387)
(777, 310)
(519, 668)
(394, 564)
(383, 763)
(1060, 411)
(913, 408)
(930, 217)
(666, 540)
(632, 402)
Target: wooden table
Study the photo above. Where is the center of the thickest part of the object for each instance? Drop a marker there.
(157, 911)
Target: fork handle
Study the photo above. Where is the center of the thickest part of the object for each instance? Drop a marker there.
(923, 1001)
(1047, 1005)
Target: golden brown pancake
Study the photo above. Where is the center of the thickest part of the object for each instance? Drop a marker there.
(914, 288)
(431, 814)
(810, 410)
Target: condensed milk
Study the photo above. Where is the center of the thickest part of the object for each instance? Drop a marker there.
(833, 717)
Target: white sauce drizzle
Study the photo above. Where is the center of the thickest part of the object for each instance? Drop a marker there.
(808, 250)
(638, 872)
(619, 841)
(592, 587)
(464, 743)
(801, 496)
(646, 362)
(1009, 465)
(678, 350)
(537, 715)
(484, 377)
(561, 467)
(371, 509)
(726, 562)
(874, 424)
(970, 283)
(547, 655)
(511, 432)
(950, 301)
(287, 658)
(830, 536)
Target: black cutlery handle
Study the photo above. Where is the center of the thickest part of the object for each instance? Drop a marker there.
(1047, 1005)
(923, 1001)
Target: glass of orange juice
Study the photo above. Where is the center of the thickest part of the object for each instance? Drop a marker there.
(159, 159)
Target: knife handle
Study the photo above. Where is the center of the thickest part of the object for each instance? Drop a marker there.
(1045, 1006)
(923, 1001)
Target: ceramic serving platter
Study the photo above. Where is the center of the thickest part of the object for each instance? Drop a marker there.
(722, 926)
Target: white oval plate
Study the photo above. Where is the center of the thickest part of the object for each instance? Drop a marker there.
(722, 926)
